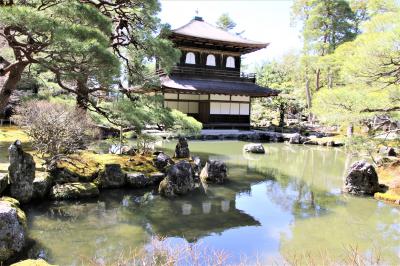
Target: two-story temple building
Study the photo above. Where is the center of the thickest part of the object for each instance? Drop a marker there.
(207, 83)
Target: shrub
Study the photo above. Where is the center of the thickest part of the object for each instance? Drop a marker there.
(145, 143)
(55, 129)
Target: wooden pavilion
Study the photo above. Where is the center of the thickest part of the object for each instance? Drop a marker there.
(207, 83)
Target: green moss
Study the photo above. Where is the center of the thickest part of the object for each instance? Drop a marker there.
(38, 262)
(88, 163)
(12, 133)
(15, 203)
(389, 196)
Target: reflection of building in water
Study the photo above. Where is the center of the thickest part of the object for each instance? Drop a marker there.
(206, 207)
(225, 205)
(186, 208)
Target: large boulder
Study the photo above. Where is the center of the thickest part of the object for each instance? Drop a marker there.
(112, 176)
(254, 148)
(361, 179)
(21, 172)
(12, 229)
(74, 191)
(214, 172)
(41, 185)
(162, 161)
(179, 180)
(3, 182)
(182, 148)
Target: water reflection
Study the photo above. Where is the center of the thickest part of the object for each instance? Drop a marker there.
(285, 201)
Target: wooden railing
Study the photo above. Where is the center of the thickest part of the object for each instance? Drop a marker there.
(209, 72)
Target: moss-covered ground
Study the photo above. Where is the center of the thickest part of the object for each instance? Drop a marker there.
(390, 176)
(12, 133)
(87, 163)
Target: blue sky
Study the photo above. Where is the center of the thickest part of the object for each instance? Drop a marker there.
(261, 20)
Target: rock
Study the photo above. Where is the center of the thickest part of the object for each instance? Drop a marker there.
(12, 229)
(3, 182)
(387, 151)
(179, 180)
(254, 148)
(137, 180)
(196, 165)
(112, 176)
(126, 150)
(21, 172)
(296, 138)
(74, 191)
(162, 161)
(41, 185)
(30, 262)
(182, 148)
(156, 177)
(361, 179)
(214, 172)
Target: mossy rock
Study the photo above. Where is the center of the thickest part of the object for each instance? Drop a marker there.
(15, 204)
(38, 262)
(74, 190)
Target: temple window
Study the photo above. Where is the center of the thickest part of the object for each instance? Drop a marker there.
(190, 58)
(230, 62)
(210, 60)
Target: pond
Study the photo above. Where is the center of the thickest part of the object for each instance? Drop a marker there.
(277, 206)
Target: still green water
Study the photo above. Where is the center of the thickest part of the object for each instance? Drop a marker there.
(276, 206)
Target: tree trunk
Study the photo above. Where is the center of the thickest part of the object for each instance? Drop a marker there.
(82, 97)
(317, 85)
(330, 80)
(308, 98)
(350, 130)
(10, 84)
(308, 94)
(281, 115)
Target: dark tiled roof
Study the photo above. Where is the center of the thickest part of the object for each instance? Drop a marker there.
(194, 85)
(201, 29)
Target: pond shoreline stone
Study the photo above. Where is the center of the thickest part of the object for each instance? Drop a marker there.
(3, 182)
(74, 190)
(21, 172)
(214, 172)
(257, 148)
(179, 180)
(362, 179)
(12, 229)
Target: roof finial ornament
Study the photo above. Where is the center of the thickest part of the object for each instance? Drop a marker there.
(197, 17)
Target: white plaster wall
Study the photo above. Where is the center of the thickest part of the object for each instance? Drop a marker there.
(170, 96)
(244, 109)
(189, 97)
(219, 97)
(240, 98)
(193, 108)
(235, 108)
(171, 104)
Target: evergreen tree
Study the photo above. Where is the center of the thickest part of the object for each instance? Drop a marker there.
(225, 22)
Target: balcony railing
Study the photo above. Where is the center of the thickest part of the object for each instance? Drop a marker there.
(211, 73)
